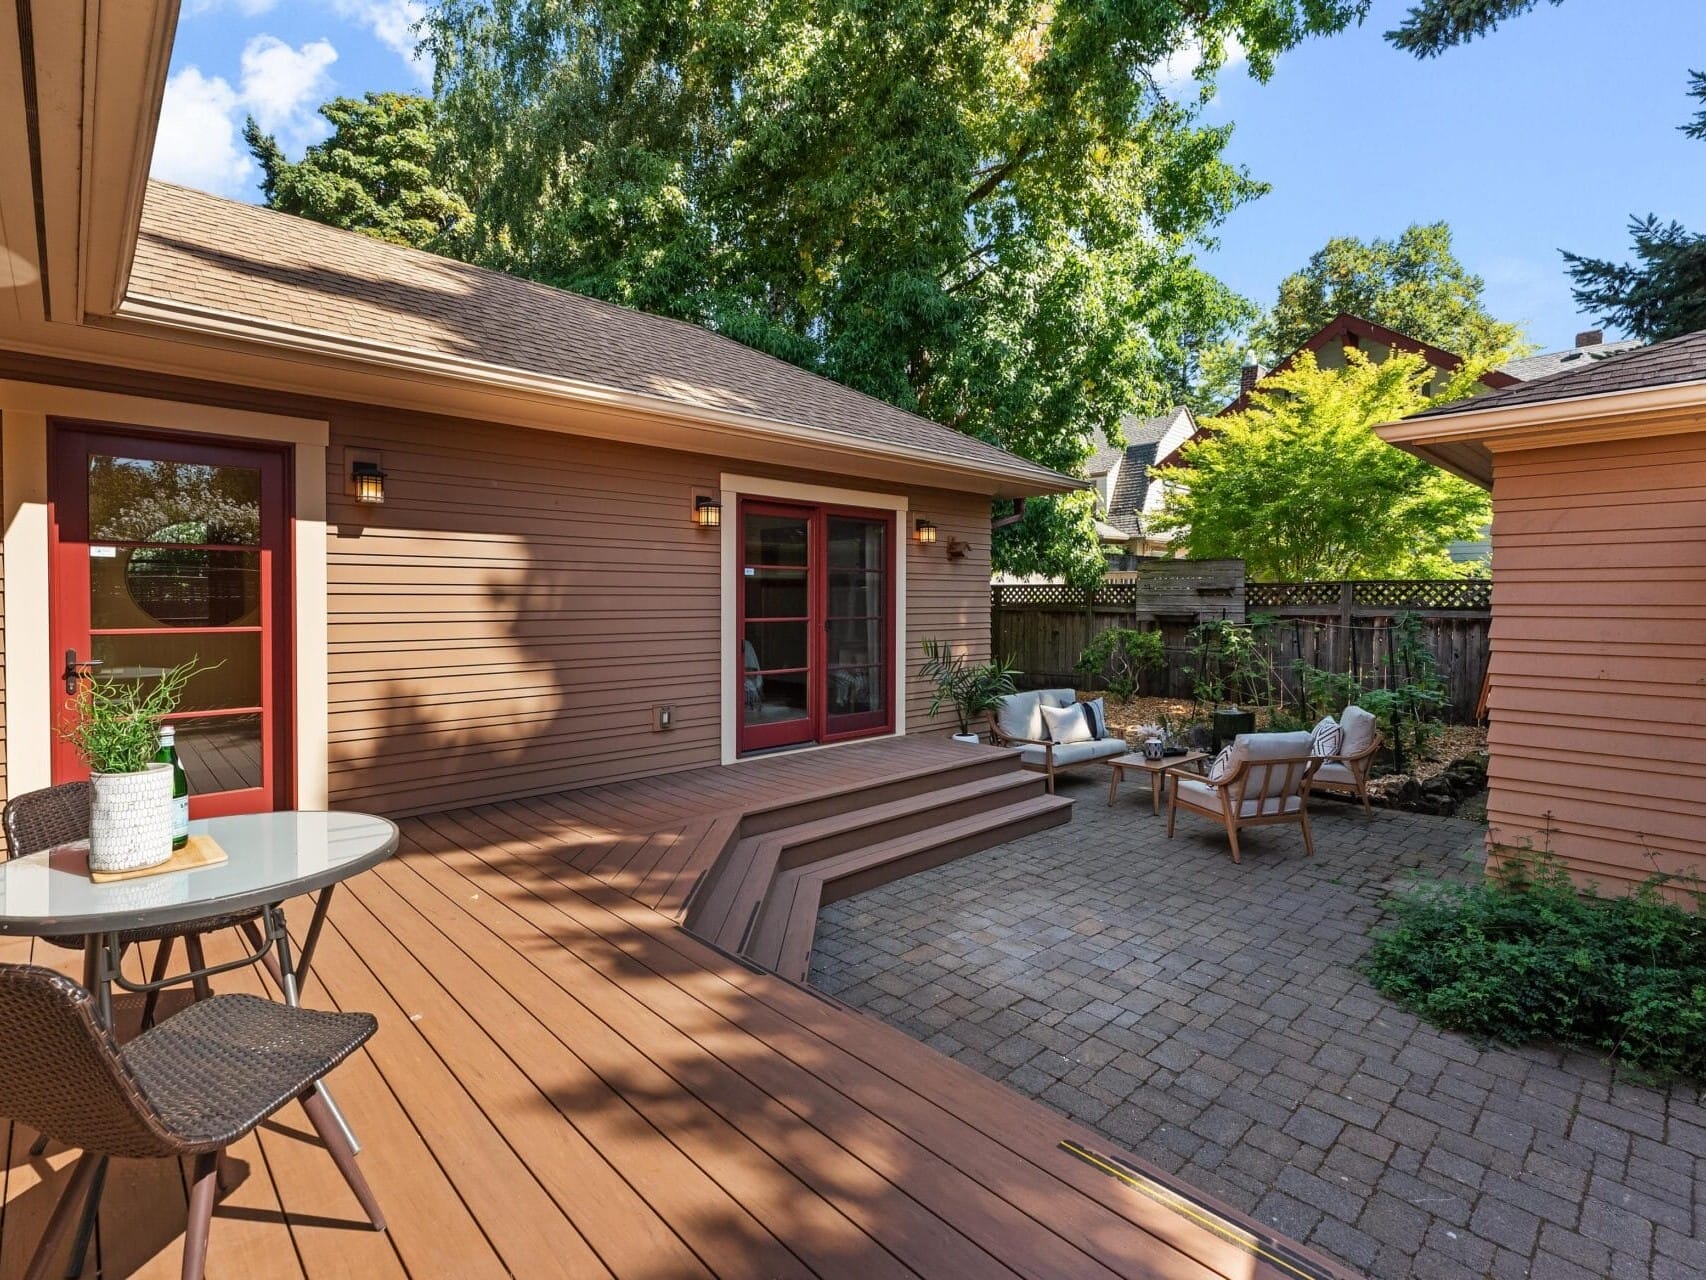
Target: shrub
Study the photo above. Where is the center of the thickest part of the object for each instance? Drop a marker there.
(1526, 956)
(1122, 655)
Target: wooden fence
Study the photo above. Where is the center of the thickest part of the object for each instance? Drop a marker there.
(1343, 627)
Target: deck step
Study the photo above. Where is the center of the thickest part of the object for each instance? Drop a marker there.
(781, 935)
(724, 906)
(977, 762)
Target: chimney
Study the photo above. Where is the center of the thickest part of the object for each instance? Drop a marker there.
(1590, 337)
(1249, 377)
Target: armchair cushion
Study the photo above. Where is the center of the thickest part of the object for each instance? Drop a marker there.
(1070, 753)
(1361, 729)
(1206, 797)
(1327, 737)
(1020, 715)
(1334, 772)
(1067, 724)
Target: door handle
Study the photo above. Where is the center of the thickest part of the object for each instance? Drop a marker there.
(75, 670)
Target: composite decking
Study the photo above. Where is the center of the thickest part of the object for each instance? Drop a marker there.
(568, 1083)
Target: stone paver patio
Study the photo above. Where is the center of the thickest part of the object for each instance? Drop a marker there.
(1211, 1018)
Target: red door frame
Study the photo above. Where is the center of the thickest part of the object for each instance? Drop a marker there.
(813, 727)
(69, 446)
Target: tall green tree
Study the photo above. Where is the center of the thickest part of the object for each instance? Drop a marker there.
(1299, 487)
(1414, 284)
(984, 212)
(1433, 26)
(378, 173)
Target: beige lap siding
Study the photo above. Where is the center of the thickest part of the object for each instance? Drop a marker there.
(1598, 699)
(505, 622)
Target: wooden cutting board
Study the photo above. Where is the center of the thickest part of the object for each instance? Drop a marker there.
(201, 851)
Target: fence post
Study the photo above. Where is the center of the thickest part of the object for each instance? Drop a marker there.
(995, 623)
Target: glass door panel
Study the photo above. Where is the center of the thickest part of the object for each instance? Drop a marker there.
(857, 626)
(776, 629)
(167, 551)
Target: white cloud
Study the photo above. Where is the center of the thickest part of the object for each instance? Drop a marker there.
(200, 139)
(1177, 72)
(393, 23)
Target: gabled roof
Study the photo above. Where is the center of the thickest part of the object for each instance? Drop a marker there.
(311, 281)
(1662, 364)
(1547, 363)
(1350, 330)
(1131, 485)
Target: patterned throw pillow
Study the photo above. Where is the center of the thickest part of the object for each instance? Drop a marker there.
(1329, 739)
(1222, 764)
(1096, 716)
(1067, 724)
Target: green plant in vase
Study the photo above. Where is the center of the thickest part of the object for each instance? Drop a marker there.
(973, 689)
(114, 726)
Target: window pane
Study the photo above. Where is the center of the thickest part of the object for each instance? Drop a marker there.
(776, 593)
(221, 753)
(855, 690)
(174, 587)
(775, 540)
(772, 698)
(855, 644)
(236, 682)
(855, 595)
(856, 544)
(770, 645)
(140, 500)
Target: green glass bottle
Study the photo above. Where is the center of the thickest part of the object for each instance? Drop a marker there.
(168, 754)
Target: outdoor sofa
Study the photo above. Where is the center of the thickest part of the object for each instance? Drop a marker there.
(1019, 722)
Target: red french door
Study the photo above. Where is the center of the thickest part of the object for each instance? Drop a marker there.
(165, 550)
(816, 624)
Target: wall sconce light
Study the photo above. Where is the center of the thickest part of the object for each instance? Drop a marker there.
(707, 512)
(925, 532)
(369, 482)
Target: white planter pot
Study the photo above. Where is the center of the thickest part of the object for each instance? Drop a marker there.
(971, 739)
(130, 819)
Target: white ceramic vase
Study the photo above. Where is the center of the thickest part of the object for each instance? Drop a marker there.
(130, 819)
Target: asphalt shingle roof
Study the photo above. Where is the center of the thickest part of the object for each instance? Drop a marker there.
(1547, 363)
(1679, 360)
(237, 259)
(1143, 437)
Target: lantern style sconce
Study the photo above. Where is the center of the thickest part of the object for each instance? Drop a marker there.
(707, 512)
(367, 482)
(925, 532)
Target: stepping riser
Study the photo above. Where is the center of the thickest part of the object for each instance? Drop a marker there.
(982, 765)
(874, 877)
(806, 853)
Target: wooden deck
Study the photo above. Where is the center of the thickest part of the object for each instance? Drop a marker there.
(568, 1083)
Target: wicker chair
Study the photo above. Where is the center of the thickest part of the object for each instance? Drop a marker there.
(59, 815)
(188, 1087)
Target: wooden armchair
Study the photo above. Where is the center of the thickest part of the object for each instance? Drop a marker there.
(1347, 773)
(1267, 784)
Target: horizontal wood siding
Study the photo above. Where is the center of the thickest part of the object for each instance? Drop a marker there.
(1598, 695)
(506, 621)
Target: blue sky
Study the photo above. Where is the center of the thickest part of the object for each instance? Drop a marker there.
(1546, 135)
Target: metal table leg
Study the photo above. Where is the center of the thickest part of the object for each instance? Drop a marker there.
(101, 958)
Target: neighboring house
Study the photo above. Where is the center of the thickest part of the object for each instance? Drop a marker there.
(609, 544)
(1598, 477)
(1329, 342)
(1590, 346)
(1129, 494)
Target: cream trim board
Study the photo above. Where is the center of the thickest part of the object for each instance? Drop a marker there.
(24, 410)
(732, 489)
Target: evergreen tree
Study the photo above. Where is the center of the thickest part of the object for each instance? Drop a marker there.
(1432, 27)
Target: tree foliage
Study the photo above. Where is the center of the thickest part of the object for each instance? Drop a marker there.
(1414, 284)
(1298, 486)
(1662, 294)
(1433, 26)
(984, 212)
(378, 173)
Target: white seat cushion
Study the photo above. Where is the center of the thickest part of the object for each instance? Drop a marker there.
(1020, 715)
(1333, 771)
(1360, 728)
(1074, 752)
(1206, 797)
(1067, 724)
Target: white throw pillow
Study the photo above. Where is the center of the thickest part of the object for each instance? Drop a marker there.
(1360, 730)
(1067, 724)
(1096, 716)
(1222, 763)
(1327, 738)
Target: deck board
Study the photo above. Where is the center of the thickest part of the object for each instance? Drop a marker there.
(566, 1083)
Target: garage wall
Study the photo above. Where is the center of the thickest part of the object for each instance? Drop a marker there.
(1598, 694)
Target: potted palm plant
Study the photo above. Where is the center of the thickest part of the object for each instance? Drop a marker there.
(971, 688)
(115, 727)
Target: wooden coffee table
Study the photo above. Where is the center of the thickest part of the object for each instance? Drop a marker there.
(1156, 769)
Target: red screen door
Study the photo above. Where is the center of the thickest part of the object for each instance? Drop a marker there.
(167, 550)
(817, 630)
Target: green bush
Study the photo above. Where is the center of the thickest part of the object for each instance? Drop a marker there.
(1526, 955)
(1121, 655)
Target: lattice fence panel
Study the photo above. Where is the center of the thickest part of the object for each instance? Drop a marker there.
(1279, 595)
(1451, 593)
